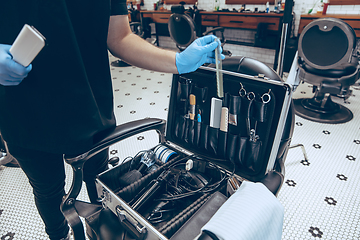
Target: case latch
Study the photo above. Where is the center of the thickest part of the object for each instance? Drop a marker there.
(131, 224)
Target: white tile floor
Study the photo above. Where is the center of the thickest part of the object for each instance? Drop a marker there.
(320, 196)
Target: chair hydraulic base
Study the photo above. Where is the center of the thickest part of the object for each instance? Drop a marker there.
(325, 111)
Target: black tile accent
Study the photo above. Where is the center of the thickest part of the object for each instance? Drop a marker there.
(315, 232)
(316, 146)
(305, 162)
(113, 152)
(350, 157)
(330, 201)
(290, 183)
(8, 236)
(342, 177)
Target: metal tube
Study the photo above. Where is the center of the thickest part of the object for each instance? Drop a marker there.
(284, 33)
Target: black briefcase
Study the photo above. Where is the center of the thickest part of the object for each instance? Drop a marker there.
(211, 145)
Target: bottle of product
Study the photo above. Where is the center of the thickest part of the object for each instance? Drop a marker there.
(267, 7)
(217, 5)
(279, 6)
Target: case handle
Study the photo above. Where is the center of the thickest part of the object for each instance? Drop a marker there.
(131, 224)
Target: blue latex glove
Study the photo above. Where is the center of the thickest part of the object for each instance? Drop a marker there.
(11, 72)
(199, 52)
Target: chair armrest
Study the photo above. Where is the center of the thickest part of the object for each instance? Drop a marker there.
(121, 132)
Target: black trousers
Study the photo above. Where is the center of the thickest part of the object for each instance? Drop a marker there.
(46, 174)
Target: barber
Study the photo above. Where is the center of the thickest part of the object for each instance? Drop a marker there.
(59, 103)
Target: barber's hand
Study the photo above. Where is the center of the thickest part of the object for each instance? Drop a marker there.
(199, 52)
(11, 72)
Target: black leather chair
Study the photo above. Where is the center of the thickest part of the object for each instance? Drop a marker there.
(327, 59)
(183, 30)
(101, 223)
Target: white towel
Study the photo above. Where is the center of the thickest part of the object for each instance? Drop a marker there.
(251, 213)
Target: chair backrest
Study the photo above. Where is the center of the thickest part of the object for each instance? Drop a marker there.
(327, 43)
(181, 27)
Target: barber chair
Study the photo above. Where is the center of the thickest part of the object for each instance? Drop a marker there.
(101, 223)
(182, 28)
(327, 59)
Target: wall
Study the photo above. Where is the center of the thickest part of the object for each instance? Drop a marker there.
(265, 55)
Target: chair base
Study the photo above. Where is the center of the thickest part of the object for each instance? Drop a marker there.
(311, 110)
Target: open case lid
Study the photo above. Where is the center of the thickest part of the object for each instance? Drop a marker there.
(203, 86)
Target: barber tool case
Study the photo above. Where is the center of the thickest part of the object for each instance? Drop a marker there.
(204, 155)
